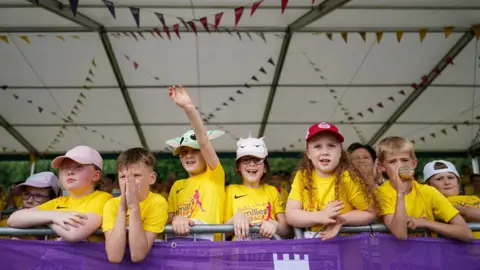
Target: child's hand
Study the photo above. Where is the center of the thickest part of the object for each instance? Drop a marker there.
(131, 192)
(241, 225)
(330, 212)
(69, 219)
(414, 223)
(180, 96)
(332, 230)
(181, 225)
(399, 185)
(268, 228)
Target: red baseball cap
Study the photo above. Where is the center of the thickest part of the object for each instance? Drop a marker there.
(324, 127)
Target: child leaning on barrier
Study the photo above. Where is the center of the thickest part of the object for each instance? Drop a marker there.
(406, 204)
(142, 211)
(77, 216)
(443, 176)
(328, 191)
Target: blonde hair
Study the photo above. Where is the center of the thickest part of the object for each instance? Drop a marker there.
(394, 145)
(306, 168)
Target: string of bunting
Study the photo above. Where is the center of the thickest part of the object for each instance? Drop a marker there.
(137, 67)
(27, 38)
(422, 33)
(5, 149)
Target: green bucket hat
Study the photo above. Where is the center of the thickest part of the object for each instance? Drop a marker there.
(190, 140)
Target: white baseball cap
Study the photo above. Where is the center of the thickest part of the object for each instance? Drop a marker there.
(41, 180)
(251, 147)
(429, 169)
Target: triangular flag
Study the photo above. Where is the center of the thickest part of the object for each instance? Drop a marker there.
(263, 70)
(379, 36)
(363, 35)
(433, 135)
(399, 36)
(247, 86)
(239, 92)
(4, 149)
(158, 32)
(284, 5)
(370, 110)
(74, 6)
(25, 38)
(425, 79)
(89, 80)
(75, 37)
(455, 127)
(476, 31)
(329, 35)
(350, 118)
(40, 109)
(262, 36)
(391, 99)
(449, 60)
(61, 38)
(183, 22)
(422, 139)
(380, 105)
(238, 15)
(444, 131)
(255, 6)
(141, 35)
(82, 96)
(422, 33)
(165, 29)
(86, 87)
(344, 36)
(218, 18)
(231, 99)
(204, 22)
(15, 96)
(239, 35)
(75, 107)
(161, 18)
(176, 29)
(30, 101)
(4, 39)
(270, 60)
(401, 92)
(73, 113)
(447, 31)
(90, 72)
(332, 91)
(192, 25)
(360, 114)
(225, 104)
(136, 15)
(254, 78)
(249, 36)
(135, 65)
(134, 36)
(94, 63)
(110, 6)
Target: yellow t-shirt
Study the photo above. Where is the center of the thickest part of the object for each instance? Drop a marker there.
(350, 194)
(258, 204)
(469, 202)
(423, 201)
(18, 202)
(283, 195)
(91, 203)
(200, 197)
(153, 212)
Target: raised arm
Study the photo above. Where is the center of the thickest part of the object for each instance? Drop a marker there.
(180, 96)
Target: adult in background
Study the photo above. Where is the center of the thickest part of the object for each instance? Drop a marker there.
(363, 156)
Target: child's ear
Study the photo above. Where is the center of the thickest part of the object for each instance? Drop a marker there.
(97, 175)
(153, 178)
(415, 163)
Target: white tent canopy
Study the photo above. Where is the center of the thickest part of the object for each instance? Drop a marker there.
(375, 68)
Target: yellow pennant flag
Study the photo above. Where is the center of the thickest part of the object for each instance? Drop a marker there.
(344, 36)
(447, 31)
(76, 37)
(399, 36)
(61, 38)
(4, 39)
(363, 35)
(329, 35)
(379, 36)
(25, 38)
(422, 33)
(476, 31)
(94, 63)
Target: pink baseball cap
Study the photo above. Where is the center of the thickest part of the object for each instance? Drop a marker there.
(41, 180)
(81, 154)
(324, 127)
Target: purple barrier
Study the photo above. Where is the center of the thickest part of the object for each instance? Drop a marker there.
(354, 252)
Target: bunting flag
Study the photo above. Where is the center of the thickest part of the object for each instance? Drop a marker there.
(74, 7)
(136, 15)
(284, 5)
(25, 38)
(204, 22)
(136, 66)
(218, 19)
(422, 34)
(111, 7)
(161, 19)
(255, 6)
(192, 25)
(238, 15)
(4, 39)
(176, 29)
(399, 36)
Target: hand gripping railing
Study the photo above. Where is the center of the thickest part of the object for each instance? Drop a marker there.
(197, 229)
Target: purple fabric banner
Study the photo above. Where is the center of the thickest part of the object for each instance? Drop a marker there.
(352, 252)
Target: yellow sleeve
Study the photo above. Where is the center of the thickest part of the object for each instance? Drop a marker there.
(156, 217)
(218, 175)
(228, 209)
(278, 204)
(355, 194)
(284, 195)
(97, 204)
(386, 200)
(172, 199)
(110, 214)
(50, 205)
(297, 188)
(441, 207)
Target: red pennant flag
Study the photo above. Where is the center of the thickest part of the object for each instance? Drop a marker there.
(255, 6)
(74, 6)
(167, 32)
(313, 2)
(218, 18)
(425, 79)
(436, 70)
(204, 22)
(414, 86)
(135, 65)
(136, 15)
(449, 60)
(176, 29)
(192, 25)
(284, 5)
(238, 15)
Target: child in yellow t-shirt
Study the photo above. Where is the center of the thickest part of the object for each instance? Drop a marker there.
(77, 216)
(328, 191)
(443, 176)
(279, 180)
(144, 212)
(198, 199)
(406, 204)
(254, 203)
